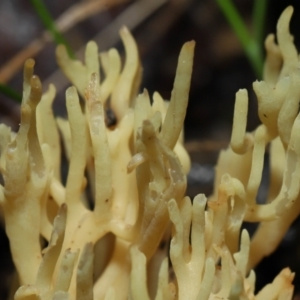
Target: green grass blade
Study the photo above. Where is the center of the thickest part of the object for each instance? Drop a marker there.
(258, 17)
(250, 46)
(9, 92)
(49, 23)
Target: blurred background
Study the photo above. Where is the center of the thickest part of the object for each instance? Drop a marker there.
(160, 27)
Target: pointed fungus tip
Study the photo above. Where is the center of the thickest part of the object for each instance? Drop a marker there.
(29, 63)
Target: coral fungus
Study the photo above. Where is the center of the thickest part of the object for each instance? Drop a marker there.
(106, 233)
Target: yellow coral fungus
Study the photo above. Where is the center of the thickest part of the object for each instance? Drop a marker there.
(136, 171)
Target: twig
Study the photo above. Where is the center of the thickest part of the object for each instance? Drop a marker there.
(71, 17)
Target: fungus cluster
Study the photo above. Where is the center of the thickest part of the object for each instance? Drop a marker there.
(121, 227)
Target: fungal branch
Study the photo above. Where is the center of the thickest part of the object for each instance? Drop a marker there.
(133, 208)
(26, 181)
(278, 101)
